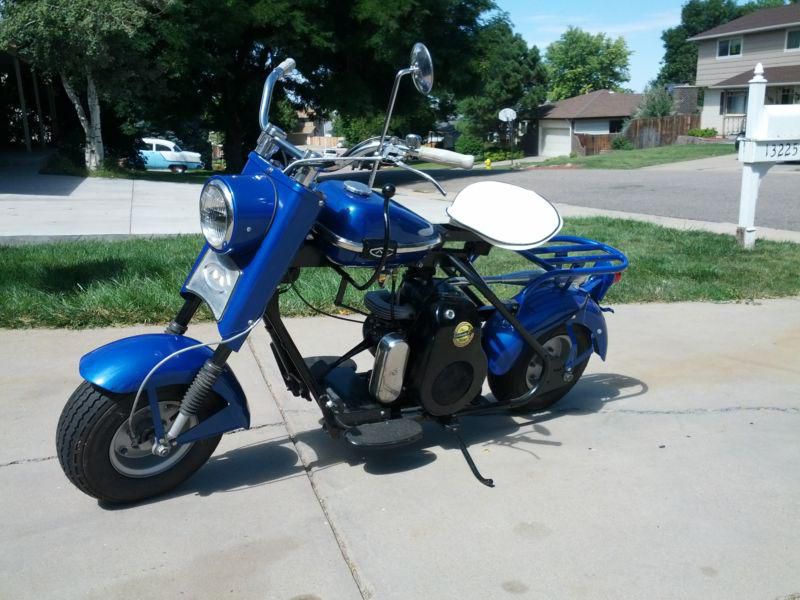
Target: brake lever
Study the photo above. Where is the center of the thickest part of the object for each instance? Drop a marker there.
(402, 165)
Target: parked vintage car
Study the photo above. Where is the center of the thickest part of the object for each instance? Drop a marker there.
(159, 155)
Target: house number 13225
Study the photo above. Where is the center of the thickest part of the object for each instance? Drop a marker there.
(782, 150)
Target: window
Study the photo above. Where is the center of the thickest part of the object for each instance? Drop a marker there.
(793, 40)
(790, 95)
(729, 47)
(615, 125)
(163, 148)
(735, 103)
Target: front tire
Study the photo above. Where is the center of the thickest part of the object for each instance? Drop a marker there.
(98, 456)
(178, 169)
(523, 373)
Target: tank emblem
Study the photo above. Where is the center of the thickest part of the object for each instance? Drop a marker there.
(463, 334)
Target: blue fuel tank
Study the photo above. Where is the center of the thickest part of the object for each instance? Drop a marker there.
(350, 225)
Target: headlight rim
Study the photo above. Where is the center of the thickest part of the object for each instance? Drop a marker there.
(227, 196)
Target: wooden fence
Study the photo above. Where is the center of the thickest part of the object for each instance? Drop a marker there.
(659, 131)
(587, 144)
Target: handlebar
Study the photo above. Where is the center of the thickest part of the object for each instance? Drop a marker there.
(278, 73)
(445, 157)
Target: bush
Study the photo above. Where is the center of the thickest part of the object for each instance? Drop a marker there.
(469, 144)
(656, 103)
(621, 143)
(357, 129)
(703, 133)
(495, 154)
(60, 163)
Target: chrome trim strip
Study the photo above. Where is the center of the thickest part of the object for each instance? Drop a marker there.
(357, 247)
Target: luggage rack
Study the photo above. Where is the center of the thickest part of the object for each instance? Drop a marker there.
(563, 259)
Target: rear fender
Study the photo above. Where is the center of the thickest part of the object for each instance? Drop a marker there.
(121, 366)
(541, 310)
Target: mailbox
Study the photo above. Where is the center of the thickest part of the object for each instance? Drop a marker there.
(776, 135)
(773, 136)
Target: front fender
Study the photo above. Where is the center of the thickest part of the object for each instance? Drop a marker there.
(541, 310)
(121, 366)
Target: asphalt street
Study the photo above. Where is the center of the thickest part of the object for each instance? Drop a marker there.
(670, 471)
(702, 190)
(45, 206)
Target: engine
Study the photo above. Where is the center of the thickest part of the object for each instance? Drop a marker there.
(427, 347)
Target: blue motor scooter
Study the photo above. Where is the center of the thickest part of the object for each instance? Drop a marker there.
(152, 408)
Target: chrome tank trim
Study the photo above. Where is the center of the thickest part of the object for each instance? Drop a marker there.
(358, 247)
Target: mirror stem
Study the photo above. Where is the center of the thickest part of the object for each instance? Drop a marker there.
(400, 74)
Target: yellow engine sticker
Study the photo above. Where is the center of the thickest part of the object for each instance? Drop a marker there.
(463, 334)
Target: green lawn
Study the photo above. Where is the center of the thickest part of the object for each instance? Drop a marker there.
(59, 165)
(94, 283)
(634, 159)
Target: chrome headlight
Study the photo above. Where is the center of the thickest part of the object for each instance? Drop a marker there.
(216, 214)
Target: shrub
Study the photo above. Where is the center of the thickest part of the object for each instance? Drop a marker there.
(703, 133)
(495, 154)
(469, 144)
(357, 129)
(656, 103)
(621, 143)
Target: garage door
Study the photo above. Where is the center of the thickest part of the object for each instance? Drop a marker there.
(556, 141)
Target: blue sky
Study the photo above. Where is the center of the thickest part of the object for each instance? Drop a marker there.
(640, 23)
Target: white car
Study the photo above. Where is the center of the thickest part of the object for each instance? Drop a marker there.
(161, 155)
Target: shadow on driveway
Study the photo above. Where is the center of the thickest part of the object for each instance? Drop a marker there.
(274, 459)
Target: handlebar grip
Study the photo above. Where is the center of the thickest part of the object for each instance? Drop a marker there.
(446, 157)
(287, 66)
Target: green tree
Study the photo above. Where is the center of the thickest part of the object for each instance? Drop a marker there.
(214, 55)
(679, 64)
(511, 75)
(84, 43)
(656, 103)
(580, 62)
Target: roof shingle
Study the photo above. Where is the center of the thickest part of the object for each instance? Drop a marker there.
(773, 75)
(760, 20)
(594, 105)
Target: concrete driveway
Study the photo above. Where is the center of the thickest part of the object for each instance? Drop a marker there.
(670, 471)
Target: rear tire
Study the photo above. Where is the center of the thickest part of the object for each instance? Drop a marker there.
(515, 382)
(92, 421)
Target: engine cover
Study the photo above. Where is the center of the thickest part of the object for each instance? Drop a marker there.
(447, 364)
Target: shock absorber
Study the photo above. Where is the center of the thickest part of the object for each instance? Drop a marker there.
(198, 392)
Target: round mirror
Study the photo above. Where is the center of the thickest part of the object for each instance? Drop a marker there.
(422, 68)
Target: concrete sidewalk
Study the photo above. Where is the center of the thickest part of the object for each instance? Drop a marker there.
(670, 471)
(55, 206)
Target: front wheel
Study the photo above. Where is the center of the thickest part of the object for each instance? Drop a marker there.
(178, 169)
(103, 458)
(527, 369)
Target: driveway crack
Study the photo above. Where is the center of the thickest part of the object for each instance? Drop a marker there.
(361, 585)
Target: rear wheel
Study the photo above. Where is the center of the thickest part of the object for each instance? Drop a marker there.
(527, 370)
(103, 458)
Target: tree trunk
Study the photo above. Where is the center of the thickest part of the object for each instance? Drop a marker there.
(233, 146)
(93, 150)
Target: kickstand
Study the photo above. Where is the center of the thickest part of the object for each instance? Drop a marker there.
(453, 427)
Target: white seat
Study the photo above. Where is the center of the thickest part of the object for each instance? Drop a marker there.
(505, 215)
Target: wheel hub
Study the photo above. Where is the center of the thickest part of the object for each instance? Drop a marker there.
(558, 348)
(130, 451)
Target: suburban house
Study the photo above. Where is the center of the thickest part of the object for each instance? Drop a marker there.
(313, 131)
(727, 55)
(596, 113)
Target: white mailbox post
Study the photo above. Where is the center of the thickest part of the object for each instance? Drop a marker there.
(772, 136)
